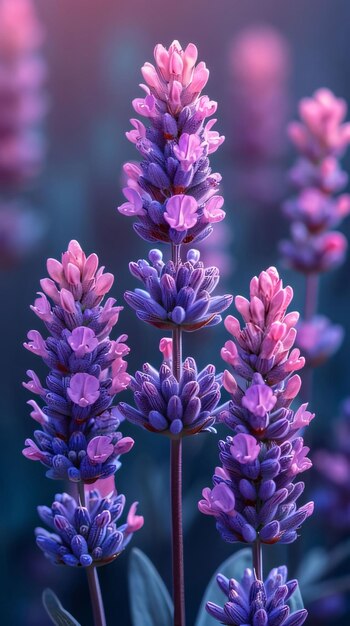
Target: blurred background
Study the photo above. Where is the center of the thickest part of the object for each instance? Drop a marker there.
(263, 57)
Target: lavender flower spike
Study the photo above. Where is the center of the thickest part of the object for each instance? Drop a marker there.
(257, 603)
(84, 536)
(262, 459)
(78, 439)
(177, 296)
(172, 191)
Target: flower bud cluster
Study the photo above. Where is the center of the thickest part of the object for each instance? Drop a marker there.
(78, 439)
(177, 296)
(254, 495)
(86, 535)
(171, 407)
(255, 602)
(172, 191)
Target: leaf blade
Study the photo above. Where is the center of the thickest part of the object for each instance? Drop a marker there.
(150, 602)
(58, 615)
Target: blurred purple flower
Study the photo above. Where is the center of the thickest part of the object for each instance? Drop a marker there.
(260, 66)
(23, 103)
(321, 139)
(318, 339)
(20, 230)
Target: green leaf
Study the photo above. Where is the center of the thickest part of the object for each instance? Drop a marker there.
(312, 566)
(296, 601)
(150, 602)
(233, 567)
(55, 610)
(319, 562)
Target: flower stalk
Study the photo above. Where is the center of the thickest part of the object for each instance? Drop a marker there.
(321, 138)
(93, 579)
(176, 483)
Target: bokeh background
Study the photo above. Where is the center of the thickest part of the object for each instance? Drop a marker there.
(94, 51)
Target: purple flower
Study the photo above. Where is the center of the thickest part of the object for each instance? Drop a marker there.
(321, 131)
(318, 339)
(23, 104)
(177, 296)
(252, 601)
(188, 150)
(260, 68)
(220, 499)
(313, 254)
(87, 369)
(244, 448)
(181, 212)
(83, 389)
(171, 192)
(261, 461)
(171, 407)
(259, 399)
(321, 138)
(20, 230)
(84, 536)
(264, 344)
(262, 489)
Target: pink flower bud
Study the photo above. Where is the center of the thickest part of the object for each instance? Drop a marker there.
(166, 348)
(134, 522)
(42, 308)
(55, 270)
(124, 445)
(104, 284)
(67, 301)
(212, 210)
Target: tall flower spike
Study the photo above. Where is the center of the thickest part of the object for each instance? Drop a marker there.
(172, 191)
(261, 461)
(321, 139)
(78, 439)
